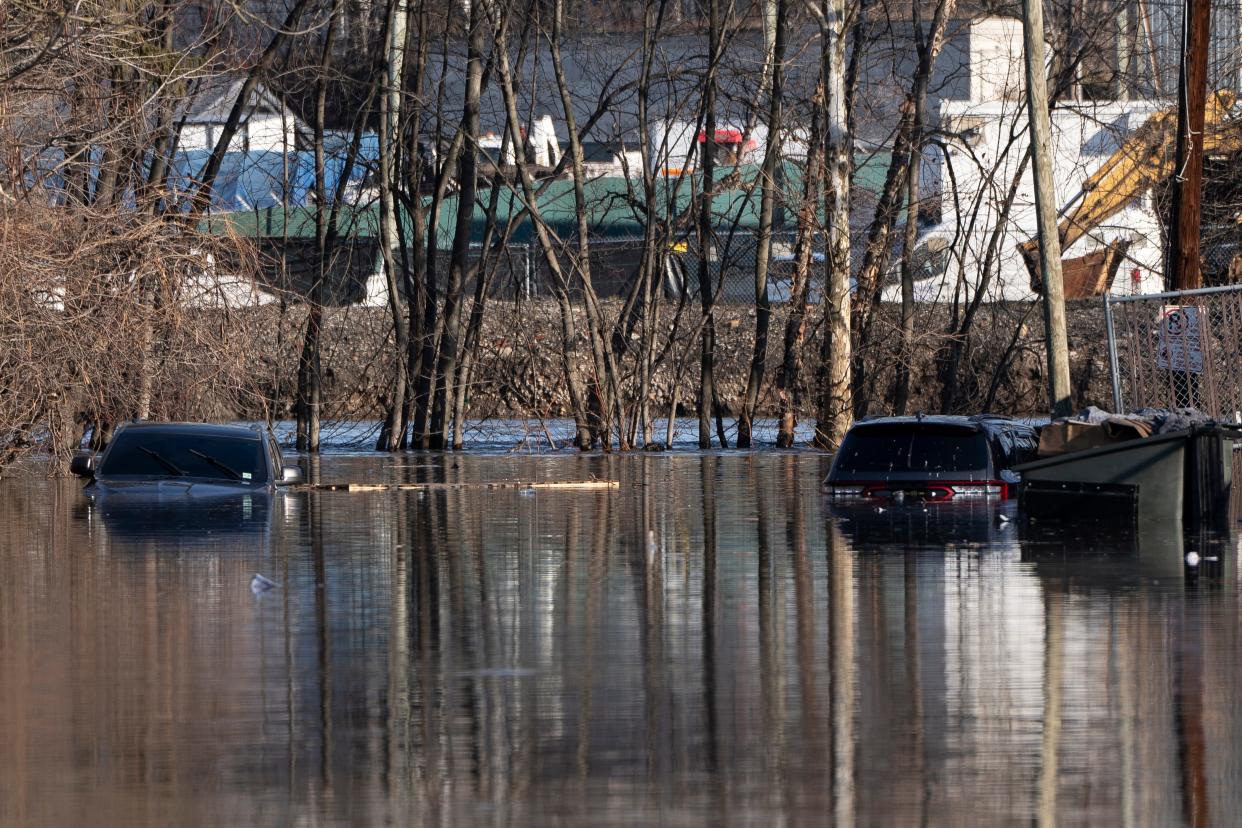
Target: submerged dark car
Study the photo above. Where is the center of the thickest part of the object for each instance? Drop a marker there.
(185, 477)
(189, 454)
(931, 458)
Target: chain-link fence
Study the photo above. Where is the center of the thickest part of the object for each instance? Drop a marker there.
(519, 270)
(1177, 349)
(616, 263)
(1220, 259)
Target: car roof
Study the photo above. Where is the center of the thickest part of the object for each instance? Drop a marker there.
(237, 432)
(973, 422)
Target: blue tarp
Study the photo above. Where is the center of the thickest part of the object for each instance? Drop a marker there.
(258, 180)
(246, 181)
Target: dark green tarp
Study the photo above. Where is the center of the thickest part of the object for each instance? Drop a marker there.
(614, 205)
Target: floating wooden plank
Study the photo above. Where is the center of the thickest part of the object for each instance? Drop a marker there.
(583, 485)
(578, 484)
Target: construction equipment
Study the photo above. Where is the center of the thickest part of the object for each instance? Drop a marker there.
(1143, 160)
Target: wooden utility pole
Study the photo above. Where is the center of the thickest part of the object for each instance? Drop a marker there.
(1046, 210)
(1184, 270)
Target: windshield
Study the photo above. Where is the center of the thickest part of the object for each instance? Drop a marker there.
(150, 454)
(911, 448)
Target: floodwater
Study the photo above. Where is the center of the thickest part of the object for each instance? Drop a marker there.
(711, 643)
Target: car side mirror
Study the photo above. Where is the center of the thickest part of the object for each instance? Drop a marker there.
(291, 475)
(83, 465)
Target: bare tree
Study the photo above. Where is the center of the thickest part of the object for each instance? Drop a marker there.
(393, 430)
(835, 408)
(763, 247)
(606, 384)
(467, 176)
(904, 154)
(707, 404)
(570, 339)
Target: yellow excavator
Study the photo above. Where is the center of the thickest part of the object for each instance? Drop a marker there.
(1144, 159)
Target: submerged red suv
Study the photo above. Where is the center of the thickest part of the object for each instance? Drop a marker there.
(931, 458)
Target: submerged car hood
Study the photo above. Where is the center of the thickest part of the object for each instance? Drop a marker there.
(170, 488)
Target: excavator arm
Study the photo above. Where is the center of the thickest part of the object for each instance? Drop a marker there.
(1145, 158)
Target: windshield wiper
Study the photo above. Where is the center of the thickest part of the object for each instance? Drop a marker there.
(172, 467)
(213, 461)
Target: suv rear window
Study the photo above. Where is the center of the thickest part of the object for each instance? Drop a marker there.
(147, 454)
(910, 448)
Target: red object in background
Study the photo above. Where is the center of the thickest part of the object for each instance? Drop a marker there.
(723, 136)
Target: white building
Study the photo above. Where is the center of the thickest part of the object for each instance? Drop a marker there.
(977, 167)
(267, 123)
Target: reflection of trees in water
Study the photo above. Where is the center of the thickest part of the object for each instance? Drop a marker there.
(433, 653)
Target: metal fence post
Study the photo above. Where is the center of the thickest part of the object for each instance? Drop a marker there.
(527, 276)
(1113, 369)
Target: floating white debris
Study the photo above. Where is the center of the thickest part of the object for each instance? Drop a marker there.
(259, 584)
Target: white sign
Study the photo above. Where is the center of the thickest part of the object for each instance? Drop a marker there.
(1180, 344)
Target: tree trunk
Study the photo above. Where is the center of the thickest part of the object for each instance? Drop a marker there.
(905, 149)
(570, 339)
(310, 390)
(482, 284)
(393, 430)
(835, 409)
(459, 263)
(795, 327)
(763, 247)
(707, 295)
(415, 275)
(606, 387)
(901, 394)
(913, 171)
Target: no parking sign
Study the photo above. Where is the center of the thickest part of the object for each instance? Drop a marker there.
(1180, 344)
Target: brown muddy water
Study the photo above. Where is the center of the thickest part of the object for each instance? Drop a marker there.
(713, 643)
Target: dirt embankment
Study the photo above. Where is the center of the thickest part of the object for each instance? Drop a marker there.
(518, 367)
